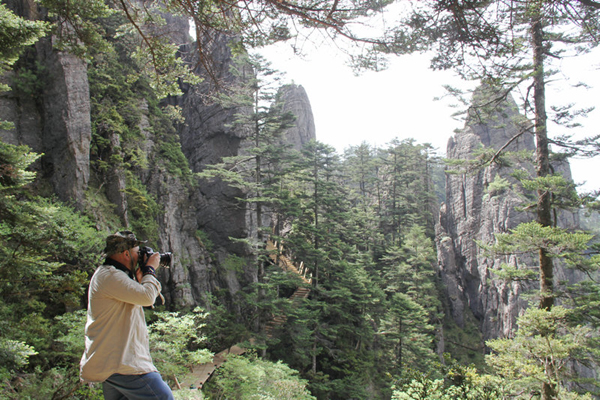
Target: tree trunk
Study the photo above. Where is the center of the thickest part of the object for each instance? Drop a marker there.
(544, 212)
(316, 212)
(314, 354)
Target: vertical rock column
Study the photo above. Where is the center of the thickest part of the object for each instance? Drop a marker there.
(67, 131)
(476, 210)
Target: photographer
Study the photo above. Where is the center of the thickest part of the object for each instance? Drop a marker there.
(117, 349)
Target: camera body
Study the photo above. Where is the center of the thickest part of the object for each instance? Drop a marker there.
(146, 252)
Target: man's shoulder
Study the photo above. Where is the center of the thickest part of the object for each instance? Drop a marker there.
(106, 271)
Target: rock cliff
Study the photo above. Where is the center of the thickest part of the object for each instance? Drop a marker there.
(196, 218)
(476, 209)
(52, 115)
(295, 101)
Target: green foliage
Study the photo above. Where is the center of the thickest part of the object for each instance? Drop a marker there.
(557, 242)
(407, 189)
(29, 80)
(131, 134)
(459, 382)
(57, 382)
(155, 53)
(15, 34)
(176, 163)
(175, 341)
(100, 209)
(70, 333)
(258, 170)
(14, 161)
(143, 208)
(498, 186)
(464, 343)
(82, 30)
(234, 263)
(564, 195)
(47, 251)
(246, 378)
(512, 273)
(481, 157)
(14, 355)
(412, 301)
(77, 26)
(541, 351)
(224, 325)
(204, 240)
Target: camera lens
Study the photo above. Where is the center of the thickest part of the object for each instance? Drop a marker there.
(165, 259)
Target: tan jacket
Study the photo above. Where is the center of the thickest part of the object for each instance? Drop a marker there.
(116, 336)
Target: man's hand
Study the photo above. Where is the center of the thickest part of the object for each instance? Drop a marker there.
(153, 261)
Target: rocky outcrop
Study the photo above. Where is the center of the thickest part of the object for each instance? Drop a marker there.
(67, 130)
(478, 206)
(51, 114)
(295, 101)
(198, 218)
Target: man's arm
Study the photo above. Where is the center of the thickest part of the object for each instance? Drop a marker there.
(144, 293)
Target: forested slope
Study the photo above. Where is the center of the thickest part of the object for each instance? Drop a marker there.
(211, 166)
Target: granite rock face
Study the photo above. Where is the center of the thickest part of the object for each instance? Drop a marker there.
(476, 209)
(207, 136)
(67, 130)
(53, 119)
(295, 101)
(199, 217)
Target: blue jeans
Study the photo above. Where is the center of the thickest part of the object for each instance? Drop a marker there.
(136, 387)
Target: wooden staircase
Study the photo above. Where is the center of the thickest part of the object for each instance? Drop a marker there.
(201, 373)
(280, 319)
(284, 263)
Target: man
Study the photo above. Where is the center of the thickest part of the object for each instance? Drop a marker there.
(117, 351)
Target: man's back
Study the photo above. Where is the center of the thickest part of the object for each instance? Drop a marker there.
(116, 332)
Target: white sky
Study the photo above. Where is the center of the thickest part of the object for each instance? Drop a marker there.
(399, 102)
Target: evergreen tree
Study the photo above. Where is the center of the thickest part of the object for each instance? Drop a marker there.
(252, 378)
(259, 169)
(339, 332)
(361, 169)
(322, 204)
(542, 352)
(261, 166)
(458, 382)
(47, 251)
(407, 198)
(15, 34)
(507, 45)
(413, 302)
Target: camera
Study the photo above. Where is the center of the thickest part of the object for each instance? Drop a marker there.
(146, 252)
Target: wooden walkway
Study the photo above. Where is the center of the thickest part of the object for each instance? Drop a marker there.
(278, 258)
(201, 373)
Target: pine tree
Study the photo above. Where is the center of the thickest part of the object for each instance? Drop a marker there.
(334, 324)
(409, 282)
(407, 198)
(261, 165)
(47, 251)
(542, 351)
(507, 45)
(15, 34)
(361, 168)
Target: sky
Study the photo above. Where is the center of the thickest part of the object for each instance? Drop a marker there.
(399, 102)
